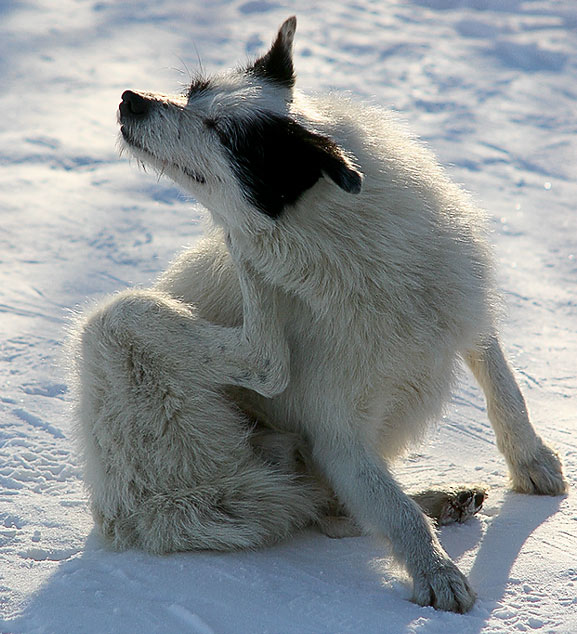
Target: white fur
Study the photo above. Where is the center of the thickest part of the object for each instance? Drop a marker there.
(336, 326)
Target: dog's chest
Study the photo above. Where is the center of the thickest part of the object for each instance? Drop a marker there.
(345, 372)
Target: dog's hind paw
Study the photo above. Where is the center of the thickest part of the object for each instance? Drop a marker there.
(540, 475)
(451, 504)
(461, 505)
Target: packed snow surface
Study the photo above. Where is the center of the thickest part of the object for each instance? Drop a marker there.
(491, 86)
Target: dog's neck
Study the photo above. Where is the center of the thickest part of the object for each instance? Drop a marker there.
(324, 272)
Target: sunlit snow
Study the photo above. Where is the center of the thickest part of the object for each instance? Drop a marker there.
(491, 86)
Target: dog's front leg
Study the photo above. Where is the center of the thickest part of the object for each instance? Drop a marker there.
(534, 467)
(363, 482)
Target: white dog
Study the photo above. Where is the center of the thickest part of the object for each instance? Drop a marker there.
(273, 372)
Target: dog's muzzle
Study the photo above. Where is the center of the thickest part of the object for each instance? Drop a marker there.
(133, 105)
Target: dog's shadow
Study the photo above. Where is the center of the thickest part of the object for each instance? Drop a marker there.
(517, 519)
(310, 583)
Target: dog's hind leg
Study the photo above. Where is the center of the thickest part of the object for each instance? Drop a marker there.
(448, 505)
(533, 466)
(445, 506)
(169, 465)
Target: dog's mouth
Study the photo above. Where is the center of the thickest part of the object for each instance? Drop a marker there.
(130, 140)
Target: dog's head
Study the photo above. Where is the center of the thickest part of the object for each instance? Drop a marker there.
(233, 140)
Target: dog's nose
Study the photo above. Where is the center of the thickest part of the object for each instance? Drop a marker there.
(134, 104)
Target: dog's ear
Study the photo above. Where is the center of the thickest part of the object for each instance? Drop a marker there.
(276, 160)
(277, 64)
(334, 163)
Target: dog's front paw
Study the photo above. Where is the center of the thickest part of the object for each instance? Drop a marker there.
(542, 474)
(445, 588)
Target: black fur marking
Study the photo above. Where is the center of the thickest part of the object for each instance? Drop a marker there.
(276, 160)
(198, 86)
(276, 65)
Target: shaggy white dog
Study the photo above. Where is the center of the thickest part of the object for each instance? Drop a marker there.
(272, 373)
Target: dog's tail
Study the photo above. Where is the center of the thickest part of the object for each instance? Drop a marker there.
(255, 506)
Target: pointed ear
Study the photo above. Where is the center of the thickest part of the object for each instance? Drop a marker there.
(276, 160)
(277, 64)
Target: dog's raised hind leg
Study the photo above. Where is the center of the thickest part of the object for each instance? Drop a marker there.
(254, 356)
(264, 346)
(533, 466)
(167, 456)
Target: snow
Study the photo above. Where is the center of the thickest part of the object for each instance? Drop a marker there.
(491, 86)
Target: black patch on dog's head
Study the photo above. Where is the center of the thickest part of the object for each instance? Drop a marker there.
(276, 160)
(277, 64)
(198, 86)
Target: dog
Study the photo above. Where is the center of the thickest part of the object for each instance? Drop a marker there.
(268, 378)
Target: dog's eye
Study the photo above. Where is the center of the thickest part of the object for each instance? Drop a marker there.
(210, 123)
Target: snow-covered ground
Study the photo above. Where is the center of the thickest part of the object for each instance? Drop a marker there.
(491, 85)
